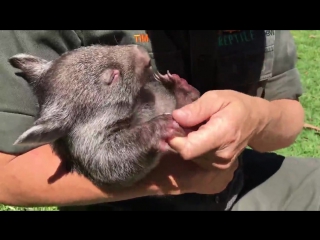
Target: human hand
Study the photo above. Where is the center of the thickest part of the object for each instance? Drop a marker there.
(174, 176)
(231, 119)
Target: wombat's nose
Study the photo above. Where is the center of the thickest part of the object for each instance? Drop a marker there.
(142, 55)
(141, 49)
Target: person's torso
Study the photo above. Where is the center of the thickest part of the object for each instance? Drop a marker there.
(244, 63)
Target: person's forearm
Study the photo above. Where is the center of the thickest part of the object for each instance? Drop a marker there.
(282, 121)
(24, 181)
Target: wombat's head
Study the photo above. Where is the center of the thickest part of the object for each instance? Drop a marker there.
(96, 82)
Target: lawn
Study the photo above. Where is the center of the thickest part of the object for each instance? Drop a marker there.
(308, 143)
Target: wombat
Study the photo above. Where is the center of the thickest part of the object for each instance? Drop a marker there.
(104, 110)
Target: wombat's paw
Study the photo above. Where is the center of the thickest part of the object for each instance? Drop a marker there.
(178, 84)
(167, 128)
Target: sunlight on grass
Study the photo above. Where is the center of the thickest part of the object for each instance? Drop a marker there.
(308, 48)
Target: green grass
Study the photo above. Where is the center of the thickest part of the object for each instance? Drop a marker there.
(308, 48)
(10, 208)
(308, 143)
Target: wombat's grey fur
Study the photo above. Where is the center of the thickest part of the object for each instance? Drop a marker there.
(103, 109)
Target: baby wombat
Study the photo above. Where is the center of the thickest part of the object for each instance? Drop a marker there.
(104, 110)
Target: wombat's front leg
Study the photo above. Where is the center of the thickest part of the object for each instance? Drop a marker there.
(184, 92)
(132, 153)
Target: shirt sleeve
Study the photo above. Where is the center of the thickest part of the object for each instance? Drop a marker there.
(285, 82)
(18, 105)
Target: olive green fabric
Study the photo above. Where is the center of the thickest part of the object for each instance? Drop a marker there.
(17, 103)
(277, 183)
(272, 183)
(285, 81)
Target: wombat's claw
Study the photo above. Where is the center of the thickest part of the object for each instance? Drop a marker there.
(157, 76)
(169, 74)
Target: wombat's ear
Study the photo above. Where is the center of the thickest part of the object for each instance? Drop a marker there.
(32, 67)
(39, 135)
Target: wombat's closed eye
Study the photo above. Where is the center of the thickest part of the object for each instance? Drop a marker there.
(110, 76)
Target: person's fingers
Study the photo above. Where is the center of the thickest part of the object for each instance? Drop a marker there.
(211, 161)
(227, 175)
(198, 111)
(234, 166)
(206, 161)
(217, 180)
(208, 137)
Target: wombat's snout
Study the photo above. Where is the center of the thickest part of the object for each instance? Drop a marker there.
(142, 56)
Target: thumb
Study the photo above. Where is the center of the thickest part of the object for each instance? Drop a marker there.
(198, 111)
(178, 144)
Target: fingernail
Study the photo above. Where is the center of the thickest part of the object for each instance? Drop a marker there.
(181, 113)
(175, 124)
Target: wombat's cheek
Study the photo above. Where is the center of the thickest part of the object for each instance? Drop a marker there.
(142, 57)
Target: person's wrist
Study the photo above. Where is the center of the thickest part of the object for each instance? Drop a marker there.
(261, 112)
(170, 187)
(170, 177)
(141, 189)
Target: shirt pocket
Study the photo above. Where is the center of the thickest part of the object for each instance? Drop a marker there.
(247, 68)
(266, 72)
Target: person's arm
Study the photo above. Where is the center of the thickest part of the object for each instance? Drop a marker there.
(283, 114)
(35, 179)
(25, 172)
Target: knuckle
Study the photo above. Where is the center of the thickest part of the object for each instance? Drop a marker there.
(235, 165)
(210, 95)
(186, 154)
(223, 166)
(233, 133)
(226, 155)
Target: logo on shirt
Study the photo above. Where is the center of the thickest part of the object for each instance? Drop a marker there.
(141, 38)
(232, 37)
(239, 36)
(235, 37)
(269, 32)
